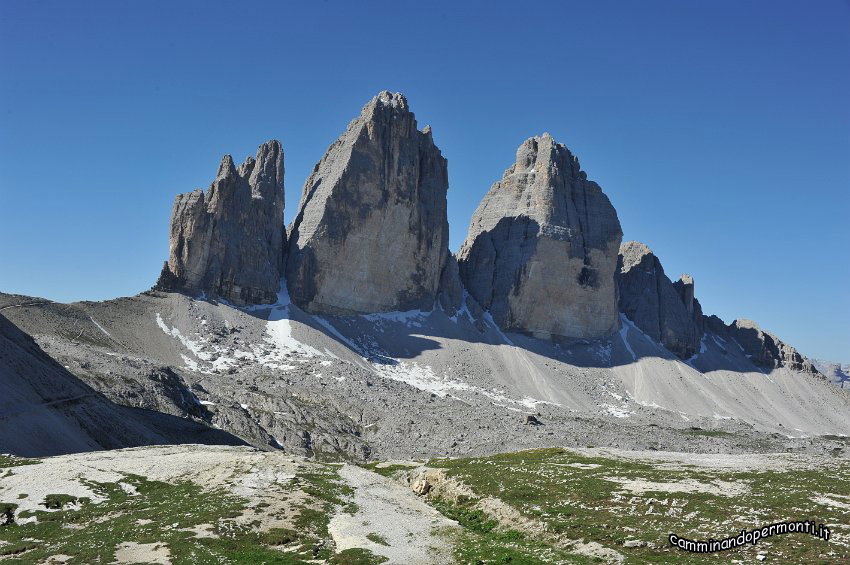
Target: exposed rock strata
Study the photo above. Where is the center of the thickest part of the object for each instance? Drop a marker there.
(371, 233)
(763, 348)
(665, 311)
(542, 247)
(230, 242)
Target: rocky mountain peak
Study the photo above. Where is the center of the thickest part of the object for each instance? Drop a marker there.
(543, 155)
(371, 233)
(387, 99)
(665, 311)
(542, 247)
(765, 349)
(635, 253)
(229, 242)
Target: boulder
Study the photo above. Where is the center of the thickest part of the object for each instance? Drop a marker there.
(371, 233)
(229, 243)
(664, 311)
(531, 419)
(542, 247)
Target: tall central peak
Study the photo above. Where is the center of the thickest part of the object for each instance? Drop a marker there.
(371, 233)
(542, 247)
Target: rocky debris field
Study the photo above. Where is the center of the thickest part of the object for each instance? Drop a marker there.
(420, 384)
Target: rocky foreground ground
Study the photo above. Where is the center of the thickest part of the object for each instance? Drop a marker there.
(207, 504)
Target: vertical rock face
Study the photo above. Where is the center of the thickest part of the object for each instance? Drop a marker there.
(230, 241)
(371, 233)
(685, 289)
(665, 311)
(670, 314)
(763, 348)
(542, 247)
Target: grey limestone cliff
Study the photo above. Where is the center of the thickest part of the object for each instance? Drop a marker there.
(229, 242)
(542, 247)
(371, 233)
(666, 311)
(763, 348)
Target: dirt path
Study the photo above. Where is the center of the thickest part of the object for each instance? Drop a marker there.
(391, 521)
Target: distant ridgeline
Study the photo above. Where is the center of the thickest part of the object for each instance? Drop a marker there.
(543, 254)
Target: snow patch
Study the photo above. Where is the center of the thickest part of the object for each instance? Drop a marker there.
(279, 332)
(410, 318)
(625, 324)
(101, 328)
(616, 411)
(191, 364)
(195, 347)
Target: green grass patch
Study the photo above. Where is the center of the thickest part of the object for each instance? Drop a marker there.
(165, 513)
(377, 538)
(7, 461)
(357, 556)
(7, 513)
(351, 508)
(387, 470)
(60, 501)
(577, 497)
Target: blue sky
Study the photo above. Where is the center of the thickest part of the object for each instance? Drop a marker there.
(720, 130)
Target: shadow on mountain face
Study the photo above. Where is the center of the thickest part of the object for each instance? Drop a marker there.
(383, 339)
(46, 410)
(393, 337)
(386, 339)
(504, 249)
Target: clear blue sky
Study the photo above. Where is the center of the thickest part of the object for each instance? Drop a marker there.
(720, 130)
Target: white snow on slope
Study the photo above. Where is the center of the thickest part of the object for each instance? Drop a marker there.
(625, 324)
(411, 318)
(279, 332)
(195, 347)
(100, 327)
(278, 350)
(464, 309)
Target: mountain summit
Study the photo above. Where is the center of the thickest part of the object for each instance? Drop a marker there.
(229, 242)
(542, 247)
(371, 233)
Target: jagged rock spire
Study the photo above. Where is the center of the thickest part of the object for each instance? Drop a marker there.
(666, 311)
(229, 242)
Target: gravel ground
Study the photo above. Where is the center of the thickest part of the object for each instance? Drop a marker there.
(410, 531)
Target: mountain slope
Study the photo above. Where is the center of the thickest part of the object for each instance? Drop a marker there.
(45, 410)
(425, 383)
